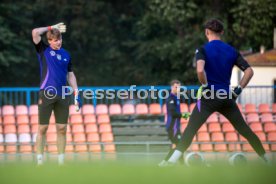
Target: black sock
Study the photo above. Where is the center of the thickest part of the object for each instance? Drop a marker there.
(169, 155)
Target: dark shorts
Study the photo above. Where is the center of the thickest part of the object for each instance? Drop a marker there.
(46, 106)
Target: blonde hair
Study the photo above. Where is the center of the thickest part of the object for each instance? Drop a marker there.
(175, 81)
(53, 34)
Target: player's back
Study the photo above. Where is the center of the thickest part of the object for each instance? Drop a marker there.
(219, 61)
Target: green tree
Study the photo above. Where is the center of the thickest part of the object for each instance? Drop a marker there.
(116, 42)
(252, 23)
(14, 44)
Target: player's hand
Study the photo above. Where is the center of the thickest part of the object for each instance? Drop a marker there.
(77, 100)
(236, 92)
(201, 90)
(60, 26)
(186, 115)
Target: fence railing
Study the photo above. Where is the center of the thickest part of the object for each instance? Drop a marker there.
(134, 94)
(145, 146)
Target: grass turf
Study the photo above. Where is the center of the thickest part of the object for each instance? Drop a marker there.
(119, 172)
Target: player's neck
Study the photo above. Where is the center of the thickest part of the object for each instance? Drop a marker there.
(55, 48)
(213, 37)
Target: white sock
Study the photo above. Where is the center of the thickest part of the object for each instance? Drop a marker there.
(175, 156)
(61, 159)
(39, 158)
(266, 158)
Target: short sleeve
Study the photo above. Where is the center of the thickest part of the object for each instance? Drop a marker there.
(40, 47)
(200, 54)
(69, 66)
(241, 63)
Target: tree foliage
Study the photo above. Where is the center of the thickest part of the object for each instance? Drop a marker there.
(116, 42)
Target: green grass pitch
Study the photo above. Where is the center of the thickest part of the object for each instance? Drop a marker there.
(125, 172)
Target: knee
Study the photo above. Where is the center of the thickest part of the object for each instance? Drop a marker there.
(43, 130)
(61, 130)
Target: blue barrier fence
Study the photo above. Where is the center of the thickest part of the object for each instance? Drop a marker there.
(109, 95)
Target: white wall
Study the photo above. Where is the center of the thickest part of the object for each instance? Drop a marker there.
(263, 76)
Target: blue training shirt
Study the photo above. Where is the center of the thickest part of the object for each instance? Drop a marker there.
(54, 67)
(220, 59)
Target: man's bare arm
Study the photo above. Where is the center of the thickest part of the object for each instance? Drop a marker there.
(248, 74)
(200, 72)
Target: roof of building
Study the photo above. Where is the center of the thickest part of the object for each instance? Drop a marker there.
(268, 58)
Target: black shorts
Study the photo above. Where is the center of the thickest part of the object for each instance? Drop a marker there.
(46, 106)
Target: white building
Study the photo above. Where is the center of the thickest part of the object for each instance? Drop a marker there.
(264, 66)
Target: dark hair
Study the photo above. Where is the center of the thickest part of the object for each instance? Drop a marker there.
(175, 81)
(214, 25)
(53, 34)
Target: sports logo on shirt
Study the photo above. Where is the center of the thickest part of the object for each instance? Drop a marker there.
(52, 53)
(196, 51)
(65, 59)
(58, 57)
(171, 102)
